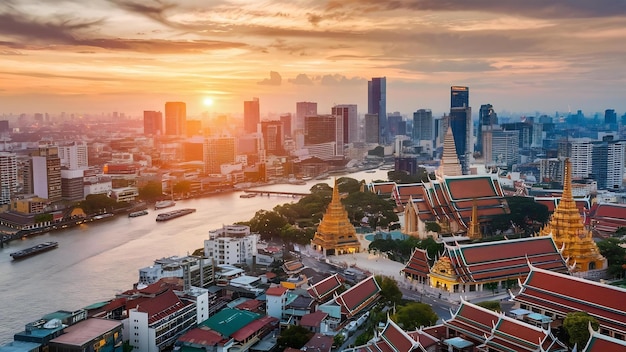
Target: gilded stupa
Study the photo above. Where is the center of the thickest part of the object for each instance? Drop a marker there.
(450, 164)
(568, 231)
(335, 234)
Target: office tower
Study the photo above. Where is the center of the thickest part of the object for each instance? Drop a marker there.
(8, 177)
(46, 173)
(501, 148)
(580, 153)
(285, 119)
(152, 123)
(608, 164)
(371, 128)
(348, 113)
(272, 132)
(610, 117)
(72, 184)
(251, 115)
(459, 97)
(4, 126)
(460, 122)
(324, 130)
(377, 104)
(303, 109)
(525, 134)
(74, 156)
(486, 119)
(194, 128)
(395, 124)
(423, 125)
(175, 118)
(218, 151)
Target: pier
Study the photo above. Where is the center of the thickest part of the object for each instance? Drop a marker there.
(276, 193)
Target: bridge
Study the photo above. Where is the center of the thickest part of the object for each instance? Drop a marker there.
(276, 193)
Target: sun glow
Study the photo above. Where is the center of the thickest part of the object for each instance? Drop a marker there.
(207, 101)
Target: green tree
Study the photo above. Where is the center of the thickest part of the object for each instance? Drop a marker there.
(491, 305)
(151, 191)
(615, 255)
(338, 340)
(433, 227)
(415, 314)
(492, 286)
(348, 185)
(267, 223)
(44, 217)
(182, 187)
(576, 324)
(294, 336)
(96, 203)
(389, 290)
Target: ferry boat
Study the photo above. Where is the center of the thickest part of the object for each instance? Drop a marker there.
(174, 214)
(135, 214)
(248, 195)
(40, 248)
(164, 204)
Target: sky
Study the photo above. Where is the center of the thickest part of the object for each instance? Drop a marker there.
(134, 55)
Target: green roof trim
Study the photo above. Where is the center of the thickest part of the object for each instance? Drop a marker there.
(229, 320)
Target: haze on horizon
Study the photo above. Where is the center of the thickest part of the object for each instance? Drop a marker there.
(134, 55)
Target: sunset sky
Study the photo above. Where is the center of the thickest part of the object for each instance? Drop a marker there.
(134, 55)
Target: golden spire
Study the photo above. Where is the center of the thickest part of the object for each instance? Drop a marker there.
(568, 230)
(449, 164)
(474, 226)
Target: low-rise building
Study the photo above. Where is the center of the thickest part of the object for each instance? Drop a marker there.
(89, 335)
(231, 245)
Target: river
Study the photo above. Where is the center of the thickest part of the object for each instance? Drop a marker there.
(97, 260)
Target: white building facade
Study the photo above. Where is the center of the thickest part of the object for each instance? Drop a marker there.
(231, 245)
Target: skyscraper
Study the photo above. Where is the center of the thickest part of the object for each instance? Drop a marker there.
(487, 118)
(371, 128)
(423, 125)
(303, 109)
(251, 115)
(324, 129)
(459, 97)
(175, 118)
(285, 119)
(46, 173)
(461, 125)
(273, 137)
(152, 122)
(377, 104)
(8, 176)
(349, 115)
(610, 117)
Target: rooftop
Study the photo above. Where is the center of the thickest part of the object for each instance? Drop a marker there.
(228, 321)
(83, 332)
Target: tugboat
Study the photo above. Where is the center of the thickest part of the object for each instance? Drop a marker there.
(40, 248)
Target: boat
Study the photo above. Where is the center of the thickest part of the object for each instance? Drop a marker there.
(174, 214)
(135, 214)
(248, 195)
(370, 171)
(103, 216)
(164, 204)
(40, 248)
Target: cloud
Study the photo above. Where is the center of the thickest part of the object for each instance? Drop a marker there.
(274, 80)
(337, 80)
(302, 79)
(431, 66)
(154, 10)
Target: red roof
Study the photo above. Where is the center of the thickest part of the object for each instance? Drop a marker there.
(563, 294)
(396, 338)
(161, 306)
(358, 296)
(253, 327)
(325, 288)
(418, 264)
(313, 319)
(251, 305)
(319, 343)
(201, 336)
(469, 187)
(383, 187)
(163, 285)
(276, 291)
(601, 343)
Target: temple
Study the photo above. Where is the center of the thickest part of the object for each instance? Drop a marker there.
(335, 234)
(459, 204)
(568, 230)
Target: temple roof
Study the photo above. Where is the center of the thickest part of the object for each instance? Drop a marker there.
(489, 261)
(325, 288)
(563, 294)
(601, 343)
(418, 263)
(494, 330)
(394, 339)
(358, 296)
(607, 218)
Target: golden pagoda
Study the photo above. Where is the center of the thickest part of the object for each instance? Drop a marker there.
(568, 231)
(335, 234)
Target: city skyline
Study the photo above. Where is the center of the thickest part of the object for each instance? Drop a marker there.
(131, 56)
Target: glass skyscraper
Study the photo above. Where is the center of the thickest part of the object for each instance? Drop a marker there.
(377, 104)
(459, 97)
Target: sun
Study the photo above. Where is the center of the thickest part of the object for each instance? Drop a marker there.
(208, 101)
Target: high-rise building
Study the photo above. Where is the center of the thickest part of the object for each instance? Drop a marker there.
(152, 123)
(303, 109)
(74, 156)
(175, 118)
(500, 147)
(377, 104)
(8, 177)
(194, 128)
(348, 113)
(251, 115)
(459, 97)
(486, 119)
(46, 173)
(272, 132)
(423, 125)
(608, 164)
(371, 128)
(4, 126)
(460, 122)
(324, 130)
(396, 124)
(610, 117)
(218, 151)
(285, 119)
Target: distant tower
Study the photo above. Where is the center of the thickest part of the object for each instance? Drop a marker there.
(459, 97)
(335, 234)
(371, 128)
(8, 177)
(285, 119)
(251, 115)
(152, 123)
(460, 122)
(487, 118)
(175, 118)
(349, 115)
(46, 173)
(377, 104)
(568, 230)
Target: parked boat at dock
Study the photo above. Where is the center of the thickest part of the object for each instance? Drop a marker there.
(135, 214)
(174, 214)
(40, 248)
(164, 204)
